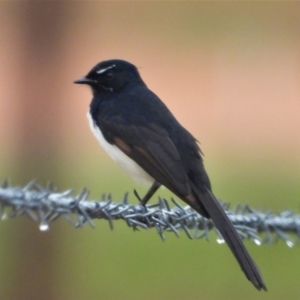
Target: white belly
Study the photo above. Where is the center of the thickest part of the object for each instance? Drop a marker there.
(124, 161)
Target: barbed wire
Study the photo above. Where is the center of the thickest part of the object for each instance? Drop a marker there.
(45, 204)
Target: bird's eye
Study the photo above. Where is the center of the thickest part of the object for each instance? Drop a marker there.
(109, 75)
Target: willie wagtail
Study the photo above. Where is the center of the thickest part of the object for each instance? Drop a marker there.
(140, 133)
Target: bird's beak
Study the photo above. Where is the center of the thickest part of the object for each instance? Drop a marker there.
(84, 80)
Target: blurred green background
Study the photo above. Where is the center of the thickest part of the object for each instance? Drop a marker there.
(230, 72)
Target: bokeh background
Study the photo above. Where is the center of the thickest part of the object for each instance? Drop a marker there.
(229, 71)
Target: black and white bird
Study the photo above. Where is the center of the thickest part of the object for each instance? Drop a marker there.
(143, 137)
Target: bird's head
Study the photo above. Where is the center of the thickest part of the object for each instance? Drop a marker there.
(111, 75)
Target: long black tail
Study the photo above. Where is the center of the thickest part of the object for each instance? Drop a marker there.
(225, 227)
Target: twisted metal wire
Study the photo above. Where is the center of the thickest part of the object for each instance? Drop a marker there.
(46, 204)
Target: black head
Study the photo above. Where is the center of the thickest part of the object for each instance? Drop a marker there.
(111, 75)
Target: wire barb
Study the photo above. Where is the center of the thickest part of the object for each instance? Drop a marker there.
(44, 205)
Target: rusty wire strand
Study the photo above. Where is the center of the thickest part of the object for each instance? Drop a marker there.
(45, 204)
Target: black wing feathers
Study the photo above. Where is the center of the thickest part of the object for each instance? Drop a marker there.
(153, 150)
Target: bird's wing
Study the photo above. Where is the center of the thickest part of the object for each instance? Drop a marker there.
(152, 149)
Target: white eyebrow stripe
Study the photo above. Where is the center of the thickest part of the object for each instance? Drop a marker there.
(105, 69)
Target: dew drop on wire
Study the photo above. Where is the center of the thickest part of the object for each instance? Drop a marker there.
(4, 216)
(290, 244)
(44, 226)
(257, 242)
(220, 241)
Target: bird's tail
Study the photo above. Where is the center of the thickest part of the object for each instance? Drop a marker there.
(213, 208)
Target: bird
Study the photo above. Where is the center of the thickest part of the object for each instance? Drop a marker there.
(144, 138)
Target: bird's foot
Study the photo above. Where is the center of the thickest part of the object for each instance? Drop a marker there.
(139, 198)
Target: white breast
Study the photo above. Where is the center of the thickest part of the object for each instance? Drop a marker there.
(124, 161)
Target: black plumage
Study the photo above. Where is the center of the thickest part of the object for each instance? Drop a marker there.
(134, 120)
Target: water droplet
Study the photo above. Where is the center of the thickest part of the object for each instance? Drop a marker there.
(220, 241)
(290, 244)
(44, 226)
(257, 242)
(3, 216)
